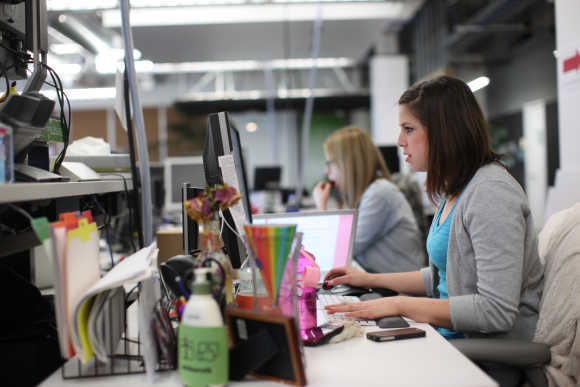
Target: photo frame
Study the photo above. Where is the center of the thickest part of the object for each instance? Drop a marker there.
(270, 345)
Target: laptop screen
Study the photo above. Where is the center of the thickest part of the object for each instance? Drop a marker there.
(329, 235)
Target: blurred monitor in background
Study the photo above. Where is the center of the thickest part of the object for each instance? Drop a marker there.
(179, 170)
(267, 178)
(391, 155)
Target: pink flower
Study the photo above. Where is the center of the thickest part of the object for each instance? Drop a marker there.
(219, 197)
(198, 209)
(226, 196)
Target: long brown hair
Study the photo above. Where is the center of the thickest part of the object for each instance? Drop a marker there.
(358, 160)
(456, 130)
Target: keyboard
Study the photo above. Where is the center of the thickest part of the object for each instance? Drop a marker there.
(323, 317)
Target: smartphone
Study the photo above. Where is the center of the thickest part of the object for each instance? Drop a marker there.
(320, 335)
(395, 334)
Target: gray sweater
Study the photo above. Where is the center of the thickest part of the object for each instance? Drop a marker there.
(387, 237)
(494, 275)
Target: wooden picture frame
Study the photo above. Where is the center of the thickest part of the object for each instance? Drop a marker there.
(286, 365)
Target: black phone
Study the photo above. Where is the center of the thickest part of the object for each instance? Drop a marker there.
(320, 335)
(395, 334)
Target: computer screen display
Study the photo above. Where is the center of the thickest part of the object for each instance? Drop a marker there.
(179, 170)
(266, 178)
(329, 235)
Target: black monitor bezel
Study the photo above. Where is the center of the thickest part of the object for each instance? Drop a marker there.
(221, 127)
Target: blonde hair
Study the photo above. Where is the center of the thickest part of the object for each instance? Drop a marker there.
(358, 160)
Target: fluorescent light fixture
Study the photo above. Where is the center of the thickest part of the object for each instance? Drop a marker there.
(76, 5)
(261, 94)
(67, 69)
(108, 66)
(70, 5)
(65, 48)
(478, 83)
(95, 93)
(255, 13)
(251, 65)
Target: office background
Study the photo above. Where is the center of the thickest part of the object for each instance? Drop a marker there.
(208, 60)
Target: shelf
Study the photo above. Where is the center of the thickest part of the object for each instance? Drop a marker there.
(23, 192)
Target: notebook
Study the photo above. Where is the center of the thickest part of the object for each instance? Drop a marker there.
(329, 235)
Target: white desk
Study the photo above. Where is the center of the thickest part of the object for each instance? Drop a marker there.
(429, 361)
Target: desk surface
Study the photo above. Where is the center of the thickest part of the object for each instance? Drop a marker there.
(429, 361)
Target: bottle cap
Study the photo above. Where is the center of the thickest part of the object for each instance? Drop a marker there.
(201, 283)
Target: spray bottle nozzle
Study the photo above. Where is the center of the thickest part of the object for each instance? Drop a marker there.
(201, 283)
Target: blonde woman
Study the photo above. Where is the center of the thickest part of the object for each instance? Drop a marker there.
(387, 237)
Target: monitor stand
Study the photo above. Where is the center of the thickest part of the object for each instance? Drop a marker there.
(23, 172)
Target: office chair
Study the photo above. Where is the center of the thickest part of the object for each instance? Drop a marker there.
(553, 358)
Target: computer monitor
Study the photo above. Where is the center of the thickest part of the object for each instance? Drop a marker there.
(391, 155)
(266, 178)
(329, 235)
(179, 170)
(222, 139)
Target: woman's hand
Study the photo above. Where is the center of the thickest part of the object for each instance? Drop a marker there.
(346, 275)
(373, 309)
(321, 194)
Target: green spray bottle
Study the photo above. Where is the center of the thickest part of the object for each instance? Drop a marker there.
(203, 345)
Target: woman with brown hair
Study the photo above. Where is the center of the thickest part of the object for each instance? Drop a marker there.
(387, 237)
(485, 277)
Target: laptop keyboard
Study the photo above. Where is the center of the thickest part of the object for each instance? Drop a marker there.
(323, 317)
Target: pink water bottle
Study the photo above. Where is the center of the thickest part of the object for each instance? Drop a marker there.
(308, 275)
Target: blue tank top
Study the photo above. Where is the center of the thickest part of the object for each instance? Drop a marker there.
(437, 242)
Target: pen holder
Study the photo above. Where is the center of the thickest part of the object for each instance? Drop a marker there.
(271, 246)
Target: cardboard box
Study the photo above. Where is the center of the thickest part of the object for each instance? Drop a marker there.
(170, 243)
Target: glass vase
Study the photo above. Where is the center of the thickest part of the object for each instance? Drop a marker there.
(212, 255)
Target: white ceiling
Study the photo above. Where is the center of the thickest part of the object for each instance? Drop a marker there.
(263, 41)
(348, 35)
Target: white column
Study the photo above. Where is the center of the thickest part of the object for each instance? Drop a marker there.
(389, 79)
(566, 190)
(534, 119)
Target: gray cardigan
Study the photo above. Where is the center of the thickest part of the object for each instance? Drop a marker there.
(494, 275)
(387, 237)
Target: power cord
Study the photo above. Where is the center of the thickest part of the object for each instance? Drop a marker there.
(131, 218)
(106, 226)
(65, 113)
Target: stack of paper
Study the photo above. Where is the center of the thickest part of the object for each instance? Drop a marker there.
(89, 309)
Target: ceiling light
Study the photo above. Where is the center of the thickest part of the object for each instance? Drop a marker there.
(251, 65)
(251, 127)
(65, 48)
(70, 5)
(85, 94)
(67, 69)
(255, 13)
(104, 66)
(478, 83)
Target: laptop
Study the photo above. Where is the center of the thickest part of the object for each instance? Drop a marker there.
(329, 235)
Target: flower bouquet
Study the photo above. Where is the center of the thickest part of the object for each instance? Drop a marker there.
(204, 209)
